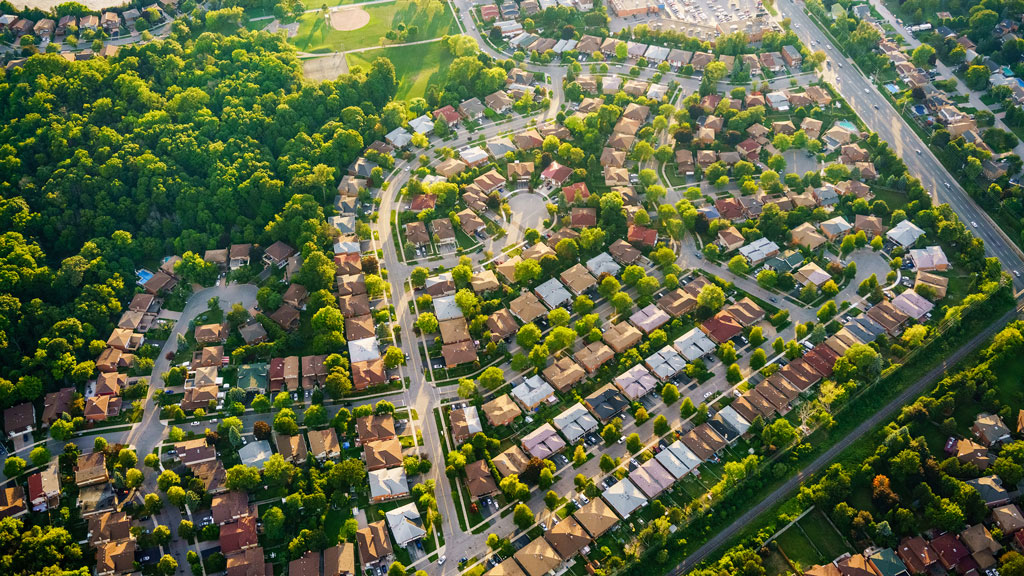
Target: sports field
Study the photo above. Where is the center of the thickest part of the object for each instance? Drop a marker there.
(416, 66)
(365, 25)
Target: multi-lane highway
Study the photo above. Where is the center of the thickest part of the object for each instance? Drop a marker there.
(880, 117)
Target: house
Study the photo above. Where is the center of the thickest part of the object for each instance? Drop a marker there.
(991, 490)
(990, 429)
(19, 419)
(917, 554)
(382, 454)
(323, 444)
(905, 233)
(501, 324)
(871, 225)
(230, 507)
(811, 273)
(564, 373)
(556, 174)
(542, 442)
(340, 560)
(693, 345)
(532, 392)
(651, 478)
(624, 497)
(249, 562)
(292, 448)
(237, 536)
(759, 250)
(649, 318)
(374, 545)
(568, 537)
(621, 337)
(406, 526)
(511, 461)
(636, 382)
(538, 557)
(931, 285)
(277, 254)
(388, 484)
(745, 311)
(471, 109)
(835, 228)
(553, 294)
(465, 422)
(501, 411)
(108, 526)
(374, 428)
(722, 327)
(499, 101)
(44, 489)
(593, 356)
(606, 403)
(575, 422)
(115, 558)
(677, 302)
(929, 259)
(479, 481)
(729, 238)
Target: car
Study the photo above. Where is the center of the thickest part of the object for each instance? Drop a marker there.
(947, 185)
(708, 394)
(440, 561)
(195, 422)
(875, 106)
(585, 500)
(867, 91)
(407, 168)
(1016, 273)
(828, 46)
(620, 440)
(918, 151)
(773, 299)
(974, 224)
(840, 64)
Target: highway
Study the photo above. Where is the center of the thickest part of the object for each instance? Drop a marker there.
(881, 117)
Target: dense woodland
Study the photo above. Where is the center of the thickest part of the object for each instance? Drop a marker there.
(183, 144)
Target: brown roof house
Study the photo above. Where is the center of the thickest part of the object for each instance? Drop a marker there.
(323, 444)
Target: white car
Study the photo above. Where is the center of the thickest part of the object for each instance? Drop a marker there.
(974, 224)
(866, 91)
(708, 394)
(441, 560)
(195, 422)
(1016, 273)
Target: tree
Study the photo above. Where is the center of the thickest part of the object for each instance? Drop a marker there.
(273, 523)
(607, 463)
(492, 377)
(427, 323)
(13, 466)
(711, 298)
(633, 443)
(243, 478)
(551, 500)
(738, 265)
(923, 56)
(661, 426)
(393, 357)
(528, 335)
(669, 393)
(687, 409)
(522, 516)
(976, 77)
(167, 565)
(758, 359)
(579, 455)
(40, 456)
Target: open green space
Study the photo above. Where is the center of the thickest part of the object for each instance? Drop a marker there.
(416, 67)
(431, 19)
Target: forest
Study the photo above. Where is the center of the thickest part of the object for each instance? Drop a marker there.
(183, 144)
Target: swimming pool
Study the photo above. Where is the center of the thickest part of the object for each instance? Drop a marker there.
(144, 276)
(848, 125)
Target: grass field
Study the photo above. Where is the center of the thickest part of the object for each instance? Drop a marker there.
(416, 67)
(433, 19)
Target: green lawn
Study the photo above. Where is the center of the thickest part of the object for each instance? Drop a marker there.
(433, 19)
(416, 67)
(825, 537)
(798, 548)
